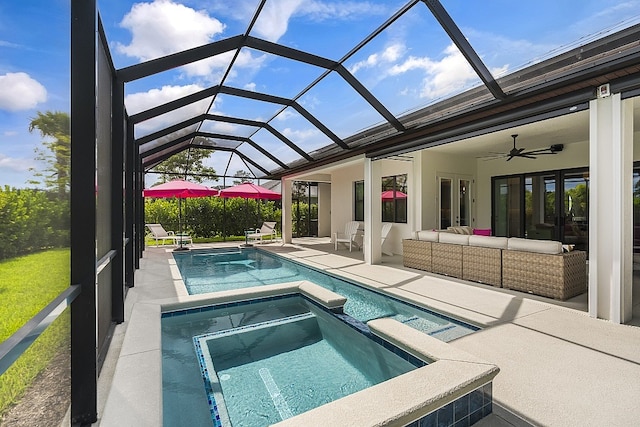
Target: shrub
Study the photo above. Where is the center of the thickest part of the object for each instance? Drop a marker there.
(31, 220)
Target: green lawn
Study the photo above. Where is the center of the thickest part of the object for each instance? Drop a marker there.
(27, 285)
(149, 241)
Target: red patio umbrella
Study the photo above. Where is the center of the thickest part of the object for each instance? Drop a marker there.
(388, 195)
(181, 190)
(248, 190)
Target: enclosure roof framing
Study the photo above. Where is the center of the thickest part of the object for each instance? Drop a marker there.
(546, 88)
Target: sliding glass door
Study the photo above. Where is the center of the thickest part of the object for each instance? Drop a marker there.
(541, 220)
(550, 205)
(507, 198)
(576, 210)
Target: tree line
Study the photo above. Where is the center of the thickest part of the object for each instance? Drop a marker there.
(37, 218)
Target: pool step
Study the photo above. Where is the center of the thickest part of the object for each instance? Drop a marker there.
(427, 326)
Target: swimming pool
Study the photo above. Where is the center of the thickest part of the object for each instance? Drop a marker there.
(217, 270)
(271, 360)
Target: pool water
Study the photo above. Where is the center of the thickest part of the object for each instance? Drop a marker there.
(278, 369)
(264, 362)
(217, 270)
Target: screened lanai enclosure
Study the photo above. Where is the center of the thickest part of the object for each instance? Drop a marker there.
(275, 92)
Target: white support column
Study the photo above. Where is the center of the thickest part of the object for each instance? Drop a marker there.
(415, 193)
(610, 208)
(372, 211)
(287, 216)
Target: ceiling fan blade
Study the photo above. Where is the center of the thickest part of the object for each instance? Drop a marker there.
(486, 158)
(527, 156)
(540, 151)
(492, 154)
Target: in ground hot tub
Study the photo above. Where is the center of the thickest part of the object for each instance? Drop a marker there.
(270, 361)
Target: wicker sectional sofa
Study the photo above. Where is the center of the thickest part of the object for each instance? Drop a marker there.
(539, 267)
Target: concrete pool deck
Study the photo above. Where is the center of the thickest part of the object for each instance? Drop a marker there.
(558, 367)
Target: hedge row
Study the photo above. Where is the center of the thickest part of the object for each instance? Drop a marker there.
(212, 216)
(31, 220)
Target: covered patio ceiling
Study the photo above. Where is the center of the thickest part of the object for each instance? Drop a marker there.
(403, 76)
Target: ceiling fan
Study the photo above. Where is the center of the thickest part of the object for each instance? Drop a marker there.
(531, 154)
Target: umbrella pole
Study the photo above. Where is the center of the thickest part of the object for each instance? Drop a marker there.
(180, 248)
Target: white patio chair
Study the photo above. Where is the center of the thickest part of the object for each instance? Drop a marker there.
(268, 230)
(159, 233)
(386, 228)
(349, 235)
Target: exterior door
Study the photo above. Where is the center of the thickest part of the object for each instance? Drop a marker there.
(541, 220)
(305, 209)
(507, 206)
(576, 210)
(454, 200)
(550, 205)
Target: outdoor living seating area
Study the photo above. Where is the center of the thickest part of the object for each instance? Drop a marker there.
(541, 267)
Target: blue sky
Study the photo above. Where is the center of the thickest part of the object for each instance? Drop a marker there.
(409, 65)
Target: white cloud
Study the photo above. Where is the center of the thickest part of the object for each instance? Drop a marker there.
(389, 55)
(137, 102)
(287, 114)
(220, 127)
(441, 77)
(274, 18)
(5, 43)
(18, 91)
(15, 164)
(250, 86)
(320, 10)
(164, 27)
(142, 101)
(301, 135)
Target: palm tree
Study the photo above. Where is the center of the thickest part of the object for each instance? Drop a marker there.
(55, 125)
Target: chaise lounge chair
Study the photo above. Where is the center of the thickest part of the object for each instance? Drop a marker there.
(159, 233)
(268, 230)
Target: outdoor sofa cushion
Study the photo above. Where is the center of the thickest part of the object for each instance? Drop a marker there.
(456, 239)
(489, 241)
(538, 246)
(427, 235)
